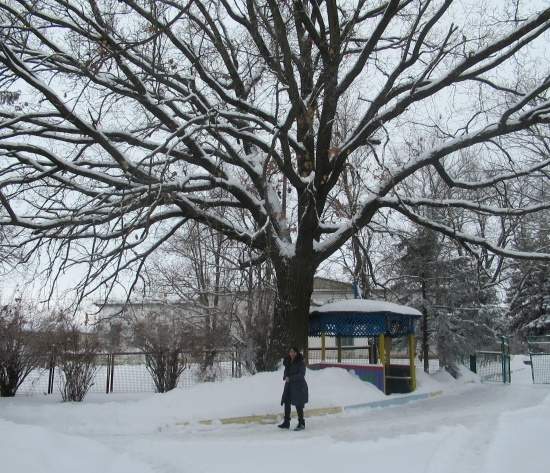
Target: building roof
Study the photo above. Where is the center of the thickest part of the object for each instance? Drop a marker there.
(366, 306)
(327, 284)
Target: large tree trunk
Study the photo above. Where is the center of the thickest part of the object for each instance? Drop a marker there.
(294, 288)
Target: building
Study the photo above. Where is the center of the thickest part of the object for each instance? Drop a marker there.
(116, 318)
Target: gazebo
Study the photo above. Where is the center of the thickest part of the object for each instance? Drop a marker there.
(383, 321)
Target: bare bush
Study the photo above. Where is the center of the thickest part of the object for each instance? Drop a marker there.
(77, 360)
(19, 347)
(163, 340)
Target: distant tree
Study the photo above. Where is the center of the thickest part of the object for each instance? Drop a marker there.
(459, 304)
(470, 316)
(199, 267)
(22, 349)
(233, 302)
(254, 328)
(420, 273)
(528, 293)
(8, 97)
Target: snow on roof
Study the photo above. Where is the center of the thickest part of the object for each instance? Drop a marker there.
(367, 306)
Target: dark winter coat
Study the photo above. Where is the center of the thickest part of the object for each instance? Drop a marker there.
(295, 390)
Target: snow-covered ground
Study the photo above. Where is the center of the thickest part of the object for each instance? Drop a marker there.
(471, 427)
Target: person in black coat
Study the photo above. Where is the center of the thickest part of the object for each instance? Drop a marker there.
(295, 391)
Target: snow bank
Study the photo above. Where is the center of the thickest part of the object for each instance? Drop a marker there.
(27, 449)
(253, 395)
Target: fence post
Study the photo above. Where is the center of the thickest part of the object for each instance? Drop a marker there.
(506, 370)
(339, 348)
(108, 374)
(51, 373)
(112, 372)
(238, 364)
(473, 363)
(504, 358)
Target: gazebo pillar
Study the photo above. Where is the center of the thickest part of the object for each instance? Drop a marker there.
(382, 358)
(412, 358)
(339, 348)
(384, 349)
(323, 347)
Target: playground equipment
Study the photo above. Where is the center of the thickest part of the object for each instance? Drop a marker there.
(379, 320)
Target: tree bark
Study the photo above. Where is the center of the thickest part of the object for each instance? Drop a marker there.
(294, 288)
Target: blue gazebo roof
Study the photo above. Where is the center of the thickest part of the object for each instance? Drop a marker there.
(362, 318)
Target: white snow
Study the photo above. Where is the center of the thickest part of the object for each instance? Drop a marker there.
(367, 306)
(252, 395)
(471, 428)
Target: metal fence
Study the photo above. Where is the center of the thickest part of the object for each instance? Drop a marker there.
(126, 372)
(493, 366)
(539, 355)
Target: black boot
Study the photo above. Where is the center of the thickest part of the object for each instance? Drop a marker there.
(301, 422)
(285, 424)
(301, 425)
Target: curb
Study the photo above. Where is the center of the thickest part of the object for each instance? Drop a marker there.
(398, 401)
(322, 411)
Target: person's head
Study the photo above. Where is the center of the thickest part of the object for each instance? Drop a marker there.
(293, 353)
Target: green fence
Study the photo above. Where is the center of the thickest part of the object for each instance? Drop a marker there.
(539, 354)
(493, 366)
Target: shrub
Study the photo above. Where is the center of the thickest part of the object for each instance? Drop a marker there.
(163, 340)
(77, 360)
(19, 347)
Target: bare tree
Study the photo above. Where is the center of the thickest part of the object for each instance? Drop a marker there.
(165, 341)
(143, 109)
(199, 266)
(233, 305)
(20, 346)
(254, 317)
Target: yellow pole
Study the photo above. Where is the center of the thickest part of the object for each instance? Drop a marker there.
(412, 358)
(339, 346)
(381, 350)
(382, 356)
(323, 348)
(387, 349)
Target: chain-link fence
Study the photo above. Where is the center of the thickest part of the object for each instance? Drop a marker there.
(127, 372)
(539, 354)
(493, 366)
